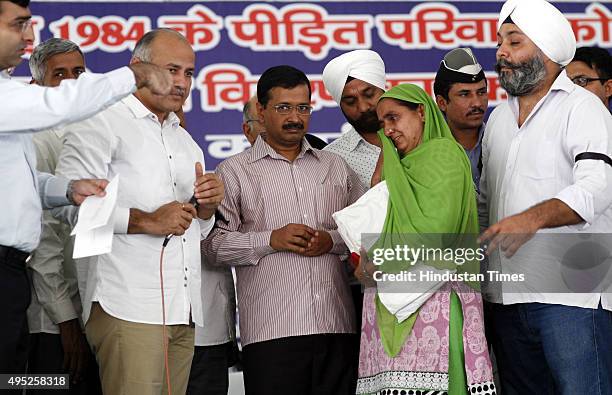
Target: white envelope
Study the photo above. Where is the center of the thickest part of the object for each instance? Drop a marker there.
(94, 228)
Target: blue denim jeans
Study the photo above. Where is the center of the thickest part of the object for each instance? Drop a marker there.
(552, 349)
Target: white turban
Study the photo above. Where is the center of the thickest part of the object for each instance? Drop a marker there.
(362, 64)
(544, 25)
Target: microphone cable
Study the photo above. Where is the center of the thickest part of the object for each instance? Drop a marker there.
(163, 300)
(193, 201)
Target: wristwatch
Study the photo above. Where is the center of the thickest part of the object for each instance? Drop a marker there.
(70, 192)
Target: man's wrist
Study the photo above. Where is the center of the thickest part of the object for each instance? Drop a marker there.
(205, 214)
(139, 222)
(70, 192)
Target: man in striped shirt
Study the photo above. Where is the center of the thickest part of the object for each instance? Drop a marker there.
(296, 315)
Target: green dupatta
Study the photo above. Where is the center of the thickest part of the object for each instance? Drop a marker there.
(432, 203)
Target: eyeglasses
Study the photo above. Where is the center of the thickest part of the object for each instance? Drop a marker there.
(286, 109)
(584, 81)
(23, 25)
(252, 120)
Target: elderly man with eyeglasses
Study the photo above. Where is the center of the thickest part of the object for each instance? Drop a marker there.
(275, 226)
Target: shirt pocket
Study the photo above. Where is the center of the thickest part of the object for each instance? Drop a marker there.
(329, 198)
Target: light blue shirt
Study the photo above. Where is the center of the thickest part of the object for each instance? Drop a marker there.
(474, 157)
(25, 109)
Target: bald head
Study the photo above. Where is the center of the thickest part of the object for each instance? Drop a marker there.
(251, 125)
(169, 50)
(144, 48)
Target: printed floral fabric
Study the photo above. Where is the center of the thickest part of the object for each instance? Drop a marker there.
(422, 363)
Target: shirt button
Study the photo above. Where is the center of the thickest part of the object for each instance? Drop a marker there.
(170, 156)
(305, 216)
(185, 285)
(174, 183)
(316, 296)
(186, 269)
(184, 240)
(300, 189)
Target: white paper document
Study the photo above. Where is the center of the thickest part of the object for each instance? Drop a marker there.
(94, 228)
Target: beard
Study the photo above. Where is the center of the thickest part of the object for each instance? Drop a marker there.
(524, 77)
(366, 123)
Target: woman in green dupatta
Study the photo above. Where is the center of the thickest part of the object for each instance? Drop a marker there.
(441, 347)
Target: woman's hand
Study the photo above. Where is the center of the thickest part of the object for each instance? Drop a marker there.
(365, 270)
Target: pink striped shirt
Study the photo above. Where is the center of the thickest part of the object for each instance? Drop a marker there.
(283, 294)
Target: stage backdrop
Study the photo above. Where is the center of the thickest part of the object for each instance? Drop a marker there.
(236, 41)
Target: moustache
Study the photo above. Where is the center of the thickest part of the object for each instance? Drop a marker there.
(178, 92)
(368, 117)
(475, 111)
(504, 63)
(367, 122)
(293, 125)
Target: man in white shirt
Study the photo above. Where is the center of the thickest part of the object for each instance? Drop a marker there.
(57, 342)
(356, 80)
(160, 169)
(26, 109)
(546, 164)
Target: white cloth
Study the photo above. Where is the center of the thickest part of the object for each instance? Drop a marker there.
(362, 64)
(366, 215)
(519, 173)
(402, 304)
(360, 155)
(55, 292)
(545, 25)
(30, 108)
(157, 166)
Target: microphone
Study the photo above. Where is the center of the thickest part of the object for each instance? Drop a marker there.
(192, 201)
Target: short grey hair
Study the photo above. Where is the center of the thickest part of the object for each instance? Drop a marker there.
(245, 111)
(142, 50)
(47, 49)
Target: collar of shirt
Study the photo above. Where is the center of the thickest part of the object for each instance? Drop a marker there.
(141, 111)
(561, 83)
(262, 149)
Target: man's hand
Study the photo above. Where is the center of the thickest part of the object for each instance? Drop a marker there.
(321, 243)
(171, 218)
(150, 76)
(365, 270)
(292, 237)
(209, 192)
(509, 234)
(78, 190)
(76, 349)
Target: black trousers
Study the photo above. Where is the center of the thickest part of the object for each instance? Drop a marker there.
(209, 369)
(14, 302)
(301, 365)
(46, 355)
